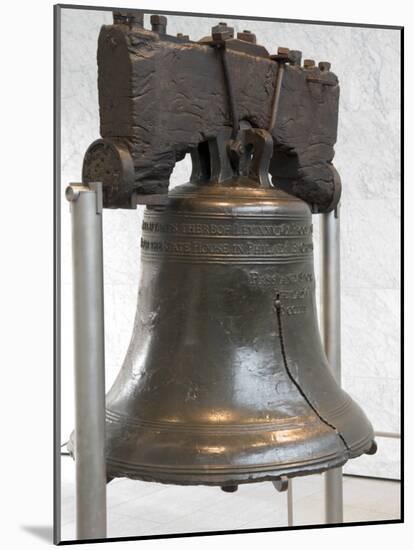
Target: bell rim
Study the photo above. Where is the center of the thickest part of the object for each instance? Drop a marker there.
(215, 477)
(218, 474)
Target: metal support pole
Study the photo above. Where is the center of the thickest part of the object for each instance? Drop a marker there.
(289, 497)
(331, 331)
(388, 435)
(284, 485)
(89, 448)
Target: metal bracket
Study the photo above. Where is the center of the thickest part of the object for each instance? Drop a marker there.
(74, 190)
(221, 158)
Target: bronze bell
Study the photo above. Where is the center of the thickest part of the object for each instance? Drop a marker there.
(225, 380)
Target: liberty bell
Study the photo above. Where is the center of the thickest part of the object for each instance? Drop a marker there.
(225, 380)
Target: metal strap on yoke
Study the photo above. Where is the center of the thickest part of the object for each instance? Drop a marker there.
(230, 92)
(276, 96)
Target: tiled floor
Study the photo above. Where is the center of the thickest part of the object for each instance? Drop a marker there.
(138, 508)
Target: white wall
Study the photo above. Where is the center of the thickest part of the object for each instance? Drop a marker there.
(367, 157)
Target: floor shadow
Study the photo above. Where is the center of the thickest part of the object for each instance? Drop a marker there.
(44, 532)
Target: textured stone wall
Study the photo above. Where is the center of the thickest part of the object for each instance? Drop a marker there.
(366, 62)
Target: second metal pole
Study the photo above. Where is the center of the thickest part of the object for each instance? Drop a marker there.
(289, 497)
(331, 331)
(89, 448)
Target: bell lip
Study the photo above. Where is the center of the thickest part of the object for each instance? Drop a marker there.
(212, 477)
(366, 445)
(209, 474)
(116, 469)
(216, 475)
(363, 446)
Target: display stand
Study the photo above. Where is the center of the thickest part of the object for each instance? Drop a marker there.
(331, 334)
(89, 444)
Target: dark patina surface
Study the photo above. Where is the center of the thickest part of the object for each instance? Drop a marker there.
(225, 380)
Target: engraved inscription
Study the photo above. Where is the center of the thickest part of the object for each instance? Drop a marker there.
(295, 294)
(229, 229)
(247, 248)
(272, 280)
(293, 309)
(295, 289)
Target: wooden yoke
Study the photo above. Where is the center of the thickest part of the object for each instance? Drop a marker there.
(161, 96)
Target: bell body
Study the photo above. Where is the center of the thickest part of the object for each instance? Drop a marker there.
(225, 380)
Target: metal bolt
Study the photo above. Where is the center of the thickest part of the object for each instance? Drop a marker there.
(126, 17)
(222, 32)
(118, 17)
(247, 36)
(229, 488)
(71, 193)
(283, 51)
(324, 65)
(137, 20)
(308, 63)
(281, 484)
(158, 23)
(295, 57)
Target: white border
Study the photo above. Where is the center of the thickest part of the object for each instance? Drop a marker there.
(26, 272)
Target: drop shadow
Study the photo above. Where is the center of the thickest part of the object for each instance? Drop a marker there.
(43, 532)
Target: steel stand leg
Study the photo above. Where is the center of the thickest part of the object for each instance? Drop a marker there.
(331, 330)
(86, 212)
(289, 497)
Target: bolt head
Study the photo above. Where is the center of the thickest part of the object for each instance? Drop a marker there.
(158, 19)
(283, 51)
(119, 17)
(324, 65)
(222, 32)
(127, 17)
(247, 36)
(158, 23)
(308, 63)
(295, 57)
(71, 194)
